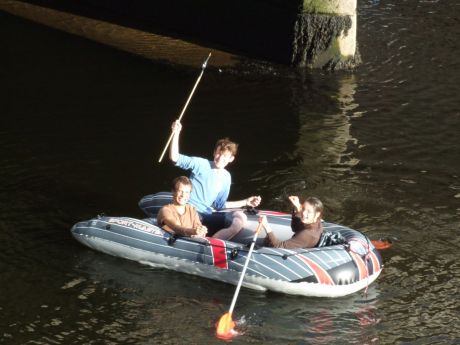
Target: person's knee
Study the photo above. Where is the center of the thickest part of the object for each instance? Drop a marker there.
(240, 216)
(237, 224)
(239, 221)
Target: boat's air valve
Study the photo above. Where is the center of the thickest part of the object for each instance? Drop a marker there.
(234, 253)
(172, 240)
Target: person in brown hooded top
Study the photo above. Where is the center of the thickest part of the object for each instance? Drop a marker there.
(305, 223)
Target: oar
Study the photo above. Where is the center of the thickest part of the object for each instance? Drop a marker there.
(186, 105)
(382, 243)
(226, 324)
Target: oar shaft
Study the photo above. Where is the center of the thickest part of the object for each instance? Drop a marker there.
(185, 106)
(240, 282)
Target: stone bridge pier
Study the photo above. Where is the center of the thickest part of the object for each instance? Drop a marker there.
(324, 35)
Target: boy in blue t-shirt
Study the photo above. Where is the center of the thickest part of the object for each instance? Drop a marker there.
(211, 186)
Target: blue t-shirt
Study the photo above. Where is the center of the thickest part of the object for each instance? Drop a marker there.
(211, 187)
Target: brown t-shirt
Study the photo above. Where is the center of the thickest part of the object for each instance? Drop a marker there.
(308, 237)
(180, 224)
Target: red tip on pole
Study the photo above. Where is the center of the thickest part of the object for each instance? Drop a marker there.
(225, 327)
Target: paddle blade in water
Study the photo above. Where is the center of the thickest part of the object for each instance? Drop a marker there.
(225, 327)
(382, 244)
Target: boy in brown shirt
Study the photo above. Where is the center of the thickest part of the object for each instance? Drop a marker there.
(181, 218)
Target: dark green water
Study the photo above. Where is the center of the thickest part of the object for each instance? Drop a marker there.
(83, 125)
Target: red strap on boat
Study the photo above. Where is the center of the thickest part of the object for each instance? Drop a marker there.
(375, 262)
(361, 264)
(320, 273)
(219, 252)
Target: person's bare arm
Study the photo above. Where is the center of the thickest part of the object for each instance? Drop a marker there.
(174, 147)
(252, 201)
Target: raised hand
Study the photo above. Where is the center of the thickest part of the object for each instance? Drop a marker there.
(253, 201)
(176, 126)
(294, 199)
(263, 220)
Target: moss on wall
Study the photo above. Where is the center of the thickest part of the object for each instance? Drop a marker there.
(315, 42)
(318, 6)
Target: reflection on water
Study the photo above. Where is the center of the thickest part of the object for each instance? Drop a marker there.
(152, 303)
(323, 141)
(323, 138)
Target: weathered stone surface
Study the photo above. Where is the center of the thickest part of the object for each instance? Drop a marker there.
(319, 42)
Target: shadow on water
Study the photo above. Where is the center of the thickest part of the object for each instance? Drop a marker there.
(134, 41)
(149, 45)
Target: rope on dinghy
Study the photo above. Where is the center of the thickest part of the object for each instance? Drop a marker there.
(243, 248)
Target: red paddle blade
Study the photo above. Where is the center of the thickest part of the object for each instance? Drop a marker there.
(382, 244)
(225, 327)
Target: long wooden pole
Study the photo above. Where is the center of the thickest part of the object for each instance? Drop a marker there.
(185, 106)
